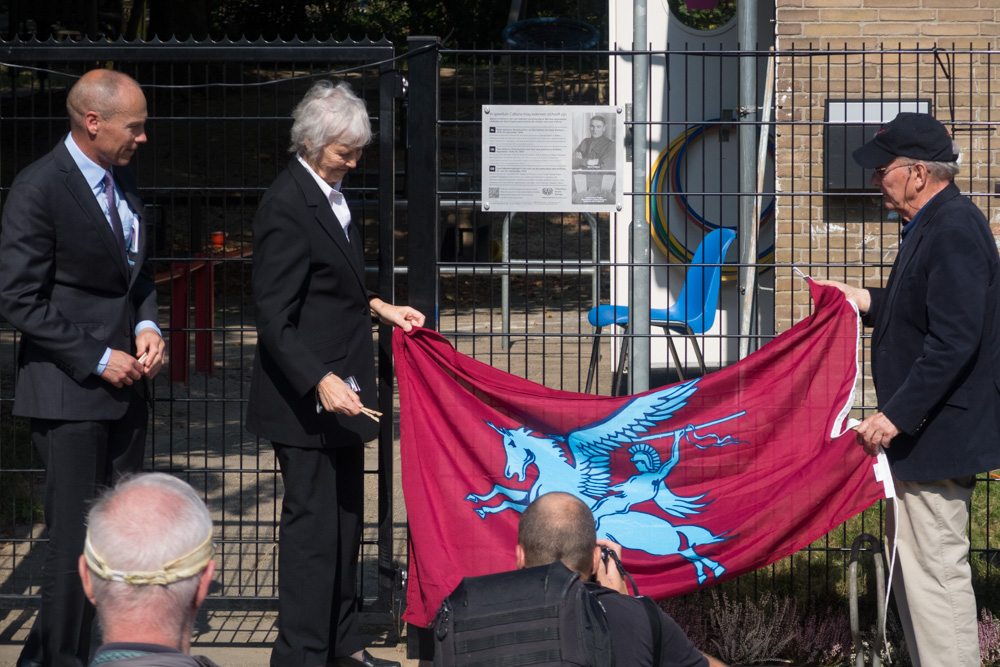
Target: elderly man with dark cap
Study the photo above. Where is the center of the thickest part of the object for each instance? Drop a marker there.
(935, 358)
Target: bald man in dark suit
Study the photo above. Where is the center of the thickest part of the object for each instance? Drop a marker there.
(75, 281)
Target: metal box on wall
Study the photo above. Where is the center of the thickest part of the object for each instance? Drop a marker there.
(849, 124)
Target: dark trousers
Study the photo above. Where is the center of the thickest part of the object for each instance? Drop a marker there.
(318, 542)
(80, 459)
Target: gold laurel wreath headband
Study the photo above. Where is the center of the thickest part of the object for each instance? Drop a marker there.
(186, 566)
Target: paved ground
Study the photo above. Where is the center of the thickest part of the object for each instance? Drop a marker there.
(230, 638)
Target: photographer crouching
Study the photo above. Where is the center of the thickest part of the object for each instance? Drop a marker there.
(567, 603)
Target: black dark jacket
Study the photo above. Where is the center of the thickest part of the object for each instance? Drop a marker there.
(312, 315)
(64, 284)
(935, 348)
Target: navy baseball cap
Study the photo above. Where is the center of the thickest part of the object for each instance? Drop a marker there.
(914, 135)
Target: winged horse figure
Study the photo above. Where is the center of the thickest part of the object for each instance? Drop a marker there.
(580, 463)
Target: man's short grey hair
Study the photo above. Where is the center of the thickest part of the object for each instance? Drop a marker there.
(329, 113)
(945, 171)
(136, 536)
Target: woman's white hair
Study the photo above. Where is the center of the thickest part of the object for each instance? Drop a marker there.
(165, 520)
(329, 113)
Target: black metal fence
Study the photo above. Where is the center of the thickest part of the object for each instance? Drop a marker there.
(219, 116)
(512, 290)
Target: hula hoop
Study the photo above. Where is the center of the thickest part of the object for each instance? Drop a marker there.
(666, 169)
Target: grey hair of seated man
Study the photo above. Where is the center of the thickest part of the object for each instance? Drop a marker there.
(144, 522)
(329, 113)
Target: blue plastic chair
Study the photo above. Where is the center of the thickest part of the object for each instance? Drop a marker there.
(693, 312)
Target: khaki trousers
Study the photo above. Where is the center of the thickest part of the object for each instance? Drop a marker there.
(932, 580)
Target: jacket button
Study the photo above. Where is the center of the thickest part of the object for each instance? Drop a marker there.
(366, 310)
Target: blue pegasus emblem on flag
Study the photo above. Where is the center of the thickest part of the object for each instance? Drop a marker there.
(579, 463)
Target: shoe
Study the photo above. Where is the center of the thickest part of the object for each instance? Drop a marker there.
(367, 660)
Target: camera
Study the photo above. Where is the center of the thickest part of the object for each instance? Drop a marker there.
(607, 553)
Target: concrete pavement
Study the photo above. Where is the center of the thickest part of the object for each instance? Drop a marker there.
(230, 638)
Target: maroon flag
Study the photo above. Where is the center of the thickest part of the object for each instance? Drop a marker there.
(700, 481)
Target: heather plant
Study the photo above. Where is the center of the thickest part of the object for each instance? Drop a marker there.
(776, 629)
(989, 639)
(822, 636)
(690, 616)
(748, 632)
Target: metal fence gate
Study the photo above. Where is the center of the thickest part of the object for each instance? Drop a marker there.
(219, 119)
(514, 291)
(510, 290)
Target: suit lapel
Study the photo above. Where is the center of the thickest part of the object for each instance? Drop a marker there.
(82, 193)
(328, 221)
(906, 254)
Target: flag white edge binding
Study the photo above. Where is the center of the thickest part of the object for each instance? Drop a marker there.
(883, 474)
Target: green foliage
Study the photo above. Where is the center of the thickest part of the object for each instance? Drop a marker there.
(704, 19)
(985, 540)
(459, 22)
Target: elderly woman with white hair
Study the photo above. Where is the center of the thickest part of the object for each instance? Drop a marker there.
(314, 374)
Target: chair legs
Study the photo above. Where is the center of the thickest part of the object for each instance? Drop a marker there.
(595, 356)
(689, 335)
(697, 353)
(616, 379)
(623, 359)
(676, 358)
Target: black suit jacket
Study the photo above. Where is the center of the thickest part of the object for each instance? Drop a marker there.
(65, 286)
(312, 314)
(936, 344)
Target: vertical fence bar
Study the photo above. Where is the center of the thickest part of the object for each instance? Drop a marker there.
(747, 17)
(422, 163)
(639, 315)
(388, 85)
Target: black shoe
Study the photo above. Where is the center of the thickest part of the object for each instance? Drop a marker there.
(367, 660)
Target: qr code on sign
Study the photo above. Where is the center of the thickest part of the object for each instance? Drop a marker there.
(494, 192)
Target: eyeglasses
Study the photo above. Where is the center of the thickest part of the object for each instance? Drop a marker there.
(882, 171)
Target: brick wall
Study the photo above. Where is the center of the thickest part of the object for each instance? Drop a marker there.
(869, 23)
(852, 49)
(872, 49)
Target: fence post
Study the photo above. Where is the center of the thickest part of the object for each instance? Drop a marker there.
(203, 275)
(180, 345)
(390, 89)
(422, 163)
(422, 174)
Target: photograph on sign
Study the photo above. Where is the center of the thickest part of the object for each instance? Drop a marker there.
(552, 158)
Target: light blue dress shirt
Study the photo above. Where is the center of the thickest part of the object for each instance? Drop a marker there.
(93, 173)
